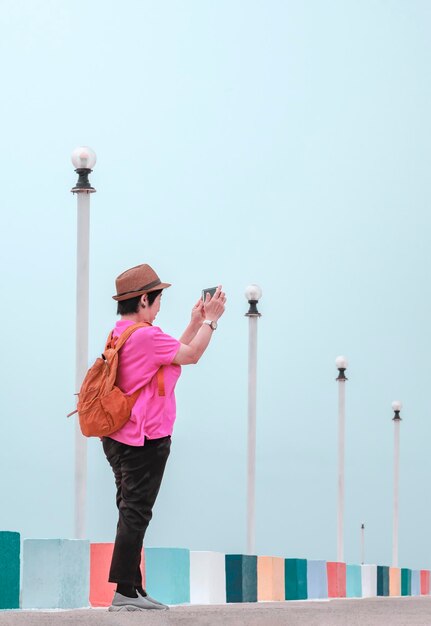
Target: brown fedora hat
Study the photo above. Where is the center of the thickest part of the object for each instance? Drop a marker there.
(137, 281)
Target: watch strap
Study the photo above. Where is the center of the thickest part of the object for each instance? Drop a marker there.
(211, 324)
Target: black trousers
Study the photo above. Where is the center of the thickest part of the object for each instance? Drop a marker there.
(138, 472)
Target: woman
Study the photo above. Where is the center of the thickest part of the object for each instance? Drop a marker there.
(149, 360)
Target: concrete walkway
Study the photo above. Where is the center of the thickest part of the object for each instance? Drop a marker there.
(364, 612)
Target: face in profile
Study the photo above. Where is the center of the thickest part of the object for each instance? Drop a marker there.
(154, 308)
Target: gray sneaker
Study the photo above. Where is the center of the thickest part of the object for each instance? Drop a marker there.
(152, 600)
(123, 603)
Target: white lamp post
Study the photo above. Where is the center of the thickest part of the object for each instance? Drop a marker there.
(83, 159)
(396, 406)
(253, 293)
(341, 363)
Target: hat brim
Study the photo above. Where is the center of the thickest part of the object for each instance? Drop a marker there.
(135, 294)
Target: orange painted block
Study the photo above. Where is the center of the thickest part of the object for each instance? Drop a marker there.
(336, 580)
(425, 582)
(102, 591)
(270, 578)
(394, 581)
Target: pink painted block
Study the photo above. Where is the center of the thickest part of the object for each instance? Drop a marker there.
(336, 580)
(102, 591)
(394, 581)
(425, 582)
(270, 578)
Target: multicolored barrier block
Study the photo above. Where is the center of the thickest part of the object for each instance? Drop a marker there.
(168, 574)
(336, 579)
(102, 591)
(10, 552)
(425, 582)
(56, 574)
(416, 582)
(406, 582)
(207, 578)
(67, 574)
(353, 581)
(295, 579)
(369, 581)
(270, 579)
(317, 580)
(394, 581)
(241, 578)
(382, 580)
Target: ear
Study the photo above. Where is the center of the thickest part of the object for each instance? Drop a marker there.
(144, 300)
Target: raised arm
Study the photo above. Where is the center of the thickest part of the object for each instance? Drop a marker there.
(213, 309)
(198, 316)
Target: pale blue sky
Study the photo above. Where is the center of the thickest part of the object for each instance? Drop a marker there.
(285, 143)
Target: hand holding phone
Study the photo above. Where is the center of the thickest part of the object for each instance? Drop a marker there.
(214, 305)
(210, 290)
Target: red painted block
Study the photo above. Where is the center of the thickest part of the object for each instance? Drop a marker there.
(102, 591)
(425, 582)
(336, 580)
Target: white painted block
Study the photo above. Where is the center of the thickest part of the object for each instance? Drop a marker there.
(207, 578)
(369, 581)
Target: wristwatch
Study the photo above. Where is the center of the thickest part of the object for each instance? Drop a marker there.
(212, 325)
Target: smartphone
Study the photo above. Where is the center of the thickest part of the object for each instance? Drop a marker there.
(210, 290)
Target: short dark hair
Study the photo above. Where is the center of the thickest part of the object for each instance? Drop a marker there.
(126, 307)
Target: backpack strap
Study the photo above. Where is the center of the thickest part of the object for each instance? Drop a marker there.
(117, 344)
(160, 386)
(161, 381)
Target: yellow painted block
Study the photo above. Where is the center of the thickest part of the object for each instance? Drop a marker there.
(394, 581)
(270, 578)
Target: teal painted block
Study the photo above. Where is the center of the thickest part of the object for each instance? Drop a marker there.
(382, 580)
(406, 582)
(56, 574)
(416, 583)
(295, 579)
(167, 572)
(241, 578)
(10, 547)
(354, 581)
(317, 580)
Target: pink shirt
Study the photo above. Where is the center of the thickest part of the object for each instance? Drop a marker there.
(153, 416)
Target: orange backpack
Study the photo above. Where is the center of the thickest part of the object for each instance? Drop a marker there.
(102, 407)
